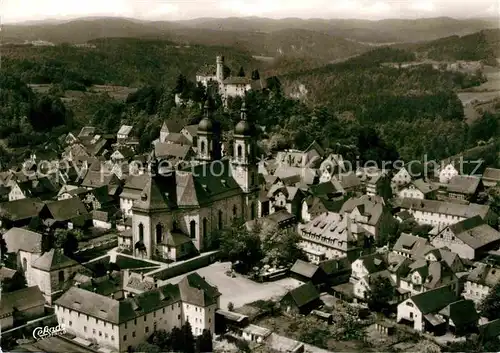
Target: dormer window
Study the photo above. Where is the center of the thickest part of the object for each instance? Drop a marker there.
(144, 197)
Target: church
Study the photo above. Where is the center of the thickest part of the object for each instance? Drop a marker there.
(178, 209)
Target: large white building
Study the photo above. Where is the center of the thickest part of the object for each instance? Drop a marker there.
(120, 324)
(180, 208)
(232, 86)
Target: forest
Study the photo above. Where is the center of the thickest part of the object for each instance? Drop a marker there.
(357, 107)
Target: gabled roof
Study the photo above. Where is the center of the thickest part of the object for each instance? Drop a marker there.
(371, 207)
(374, 262)
(173, 150)
(177, 138)
(464, 184)
(490, 330)
(195, 290)
(434, 300)
(21, 300)
(86, 131)
(409, 244)
(475, 232)
(21, 209)
(424, 187)
(23, 239)
(53, 260)
(154, 196)
(192, 129)
(448, 208)
(461, 312)
(492, 174)
(304, 294)
(175, 239)
(125, 130)
(333, 265)
(67, 209)
(305, 269)
(485, 275)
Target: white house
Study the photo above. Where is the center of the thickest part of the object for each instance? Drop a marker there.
(480, 281)
(448, 172)
(119, 325)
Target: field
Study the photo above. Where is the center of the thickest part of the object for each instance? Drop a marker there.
(116, 92)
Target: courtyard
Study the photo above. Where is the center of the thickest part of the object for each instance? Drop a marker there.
(240, 290)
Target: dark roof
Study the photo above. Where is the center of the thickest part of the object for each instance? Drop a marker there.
(21, 300)
(434, 300)
(192, 129)
(492, 174)
(333, 265)
(6, 273)
(464, 184)
(177, 138)
(22, 239)
(374, 262)
(195, 290)
(175, 239)
(304, 294)
(461, 312)
(173, 150)
(490, 330)
(53, 260)
(21, 209)
(65, 210)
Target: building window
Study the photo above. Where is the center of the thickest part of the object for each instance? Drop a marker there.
(240, 151)
(158, 233)
(70, 323)
(203, 147)
(192, 229)
(106, 335)
(145, 316)
(100, 334)
(178, 317)
(252, 211)
(62, 320)
(93, 331)
(220, 220)
(125, 326)
(112, 338)
(187, 318)
(124, 338)
(135, 321)
(205, 228)
(133, 334)
(61, 276)
(84, 328)
(147, 329)
(163, 310)
(141, 232)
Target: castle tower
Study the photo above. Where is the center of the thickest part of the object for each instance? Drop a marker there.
(244, 160)
(220, 69)
(208, 139)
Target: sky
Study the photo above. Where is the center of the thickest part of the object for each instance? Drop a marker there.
(168, 10)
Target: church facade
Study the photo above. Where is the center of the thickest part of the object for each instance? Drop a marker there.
(178, 210)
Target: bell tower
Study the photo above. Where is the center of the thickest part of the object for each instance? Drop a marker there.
(208, 138)
(244, 160)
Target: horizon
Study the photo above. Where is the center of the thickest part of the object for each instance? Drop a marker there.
(26, 11)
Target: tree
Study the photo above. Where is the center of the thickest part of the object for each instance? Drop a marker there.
(204, 342)
(238, 244)
(282, 248)
(67, 240)
(176, 339)
(241, 72)
(255, 75)
(161, 338)
(18, 281)
(147, 348)
(382, 292)
(490, 305)
(180, 84)
(187, 338)
(3, 248)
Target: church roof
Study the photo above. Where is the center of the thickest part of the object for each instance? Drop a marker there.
(154, 196)
(53, 260)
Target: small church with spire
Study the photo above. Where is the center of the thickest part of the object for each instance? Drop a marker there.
(177, 210)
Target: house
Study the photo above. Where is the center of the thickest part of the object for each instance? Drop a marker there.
(20, 306)
(490, 330)
(446, 173)
(331, 235)
(287, 198)
(373, 179)
(277, 221)
(20, 212)
(462, 188)
(337, 271)
(174, 152)
(469, 238)
(480, 281)
(421, 311)
(350, 182)
(419, 189)
(410, 246)
(191, 133)
(367, 211)
(367, 265)
(440, 213)
(53, 272)
(301, 300)
(134, 184)
(177, 139)
(67, 213)
(400, 179)
(491, 177)
(171, 127)
(40, 187)
(254, 333)
(120, 324)
(461, 316)
(330, 167)
(313, 206)
(123, 133)
(308, 272)
(68, 191)
(178, 246)
(426, 275)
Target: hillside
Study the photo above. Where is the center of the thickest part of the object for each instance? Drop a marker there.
(124, 62)
(327, 40)
(480, 46)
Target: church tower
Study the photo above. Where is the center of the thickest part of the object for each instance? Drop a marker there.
(244, 160)
(208, 137)
(220, 69)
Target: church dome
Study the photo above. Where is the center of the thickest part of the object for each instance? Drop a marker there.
(206, 125)
(244, 127)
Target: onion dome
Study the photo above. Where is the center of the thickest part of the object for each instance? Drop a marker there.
(244, 127)
(206, 124)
